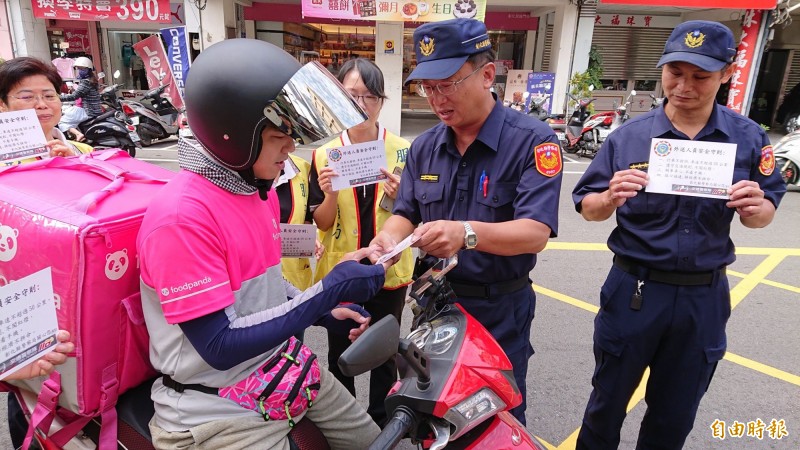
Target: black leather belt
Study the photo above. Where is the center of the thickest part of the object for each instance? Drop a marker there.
(462, 289)
(659, 276)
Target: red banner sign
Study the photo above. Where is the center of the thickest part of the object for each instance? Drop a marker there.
(157, 67)
(77, 39)
(116, 10)
(751, 24)
(729, 4)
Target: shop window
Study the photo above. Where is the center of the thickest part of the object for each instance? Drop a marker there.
(645, 85)
(124, 59)
(614, 85)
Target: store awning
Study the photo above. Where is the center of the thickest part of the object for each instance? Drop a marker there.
(728, 4)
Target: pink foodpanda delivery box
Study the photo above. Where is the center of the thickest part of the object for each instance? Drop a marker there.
(80, 216)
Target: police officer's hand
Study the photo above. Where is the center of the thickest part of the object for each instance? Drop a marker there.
(325, 176)
(440, 238)
(624, 185)
(747, 197)
(392, 183)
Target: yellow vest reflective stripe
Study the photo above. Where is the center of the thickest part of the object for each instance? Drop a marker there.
(298, 270)
(345, 234)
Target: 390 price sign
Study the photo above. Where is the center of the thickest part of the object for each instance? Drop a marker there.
(114, 10)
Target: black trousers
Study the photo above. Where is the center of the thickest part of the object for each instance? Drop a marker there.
(17, 424)
(381, 378)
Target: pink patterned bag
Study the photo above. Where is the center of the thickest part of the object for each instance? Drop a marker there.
(283, 387)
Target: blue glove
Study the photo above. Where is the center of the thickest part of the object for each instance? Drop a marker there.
(342, 327)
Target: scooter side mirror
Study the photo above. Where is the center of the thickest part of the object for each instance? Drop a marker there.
(101, 75)
(116, 74)
(371, 349)
(633, 93)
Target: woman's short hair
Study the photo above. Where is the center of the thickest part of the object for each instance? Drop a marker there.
(370, 74)
(13, 71)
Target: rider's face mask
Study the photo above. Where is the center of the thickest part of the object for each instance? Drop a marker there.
(83, 72)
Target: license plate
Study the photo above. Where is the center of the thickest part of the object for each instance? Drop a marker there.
(134, 136)
(185, 132)
(561, 136)
(135, 120)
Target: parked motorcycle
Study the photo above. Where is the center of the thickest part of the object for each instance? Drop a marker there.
(620, 116)
(157, 116)
(788, 114)
(655, 101)
(455, 390)
(787, 158)
(113, 128)
(580, 131)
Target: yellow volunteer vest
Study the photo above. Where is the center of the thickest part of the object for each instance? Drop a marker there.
(344, 236)
(298, 270)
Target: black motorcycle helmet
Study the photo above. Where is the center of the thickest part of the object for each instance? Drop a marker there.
(238, 86)
(227, 89)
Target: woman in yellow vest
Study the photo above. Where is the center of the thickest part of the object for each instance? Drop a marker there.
(30, 83)
(292, 188)
(348, 219)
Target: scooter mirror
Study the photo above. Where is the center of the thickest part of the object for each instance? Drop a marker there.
(526, 94)
(633, 93)
(591, 87)
(116, 74)
(101, 75)
(371, 349)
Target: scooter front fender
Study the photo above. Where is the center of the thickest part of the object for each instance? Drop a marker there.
(505, 433)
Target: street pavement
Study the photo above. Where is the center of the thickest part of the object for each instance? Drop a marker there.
(757, 382)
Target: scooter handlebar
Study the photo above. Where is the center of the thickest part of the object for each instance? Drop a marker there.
(395, 429)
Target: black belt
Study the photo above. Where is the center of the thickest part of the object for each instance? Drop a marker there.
(659, 276)
(488, 290)
(179, 387)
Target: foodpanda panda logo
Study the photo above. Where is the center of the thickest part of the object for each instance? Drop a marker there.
(117, 264)
(8, 242)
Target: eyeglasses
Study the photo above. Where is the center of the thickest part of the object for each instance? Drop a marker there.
(30, 99)
(445, 88)
(368, 99)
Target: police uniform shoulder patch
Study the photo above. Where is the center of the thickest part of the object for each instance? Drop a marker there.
(767, 164)
(548, 159)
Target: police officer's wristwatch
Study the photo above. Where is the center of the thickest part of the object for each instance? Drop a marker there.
(470, 238)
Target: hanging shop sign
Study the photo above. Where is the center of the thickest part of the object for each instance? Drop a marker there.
(396, 10)
(704, 4)
(158, 68)
(77, 39)
(114, 10)
(178, 53)
(636, 21)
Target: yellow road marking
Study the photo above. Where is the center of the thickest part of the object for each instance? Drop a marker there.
(546, 444)
(774, 256)
(763, 368)
(751, 280)
(566, 298)
(776, 284)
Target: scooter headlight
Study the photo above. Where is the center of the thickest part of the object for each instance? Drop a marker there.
(472, 411)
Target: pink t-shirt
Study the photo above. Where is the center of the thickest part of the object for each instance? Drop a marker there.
(199, 243)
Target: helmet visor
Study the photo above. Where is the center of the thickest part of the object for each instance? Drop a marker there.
(313, 106)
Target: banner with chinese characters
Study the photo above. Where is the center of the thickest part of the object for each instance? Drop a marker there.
(78, 40)
(636, 21)
(541, 83)
(737, 93)
(158, 69)
(115, 10)
(395, 10)
(704, 4)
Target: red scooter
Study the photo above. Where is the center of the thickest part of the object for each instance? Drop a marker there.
(457, 386)
(581, 137)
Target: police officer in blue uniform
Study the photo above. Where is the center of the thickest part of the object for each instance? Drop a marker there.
(485, 183)
(666, 300)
